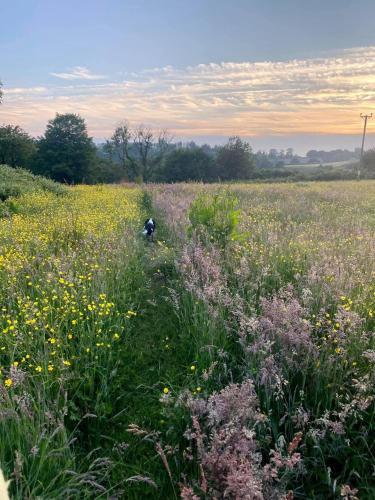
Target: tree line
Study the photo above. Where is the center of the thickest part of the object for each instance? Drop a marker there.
(67, 154)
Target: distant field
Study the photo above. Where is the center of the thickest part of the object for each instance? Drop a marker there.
(333, 164)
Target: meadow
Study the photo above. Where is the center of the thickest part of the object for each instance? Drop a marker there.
(231, 358)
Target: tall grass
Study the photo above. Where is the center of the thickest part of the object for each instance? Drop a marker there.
(233, 357)
(290, 308)
(69, 289)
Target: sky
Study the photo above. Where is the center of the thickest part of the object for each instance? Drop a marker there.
(280, 73)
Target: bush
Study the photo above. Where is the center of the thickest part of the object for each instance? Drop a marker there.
(16, 182)
(215, 216)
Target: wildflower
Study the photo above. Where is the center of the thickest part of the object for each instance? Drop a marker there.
(166, 390)
(192, 368)
(38, 369)
(8, 382)
(66, 363)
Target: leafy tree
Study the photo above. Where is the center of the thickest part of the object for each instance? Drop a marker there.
(186, 164)
(235, 160)
(66, 152)
(17, 148)
(105, 171)
(262, 160)
(368, 164)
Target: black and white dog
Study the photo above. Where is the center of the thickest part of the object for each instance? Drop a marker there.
(149, 228)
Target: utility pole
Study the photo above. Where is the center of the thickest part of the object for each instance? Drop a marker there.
(365, 118)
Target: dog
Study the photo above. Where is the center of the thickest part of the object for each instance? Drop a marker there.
(149, 228)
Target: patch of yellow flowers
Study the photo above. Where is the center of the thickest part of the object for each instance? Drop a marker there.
(57, 259)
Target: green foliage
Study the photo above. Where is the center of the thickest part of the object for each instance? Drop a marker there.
(16, 182)
(185, 164)
(17, 148)
(215, 216)
(368, 164)
(235, 160)
(66, 152)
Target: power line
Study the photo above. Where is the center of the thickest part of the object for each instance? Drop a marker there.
(365, 118)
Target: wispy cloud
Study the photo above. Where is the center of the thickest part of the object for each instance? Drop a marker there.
(305, 96)
(79, 73)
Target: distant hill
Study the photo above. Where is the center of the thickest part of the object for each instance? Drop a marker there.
(16, 181)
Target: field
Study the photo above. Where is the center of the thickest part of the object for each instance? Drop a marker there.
(327, 164)
(233, 357)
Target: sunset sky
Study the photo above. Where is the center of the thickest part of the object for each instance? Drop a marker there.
(279, 72)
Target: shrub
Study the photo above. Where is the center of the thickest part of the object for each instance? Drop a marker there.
(16, 182)
(215, 216)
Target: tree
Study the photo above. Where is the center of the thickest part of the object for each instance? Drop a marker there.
(289, 153)
(151, 147)
(262, 160)
(368, 164)
(139, 151)
(235, 160)
(66, 152)
(117, 148)
(1, 92)
(185, 164)
(143, 140)
(17, 148)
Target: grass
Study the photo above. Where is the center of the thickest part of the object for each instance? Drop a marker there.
(110, 343)
(17, 181)
(304, 266)
(325, 164)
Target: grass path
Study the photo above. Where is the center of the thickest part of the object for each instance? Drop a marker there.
(152, 361)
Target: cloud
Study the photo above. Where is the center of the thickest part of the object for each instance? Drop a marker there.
(79, 73)
(267, 98)
(22, 90)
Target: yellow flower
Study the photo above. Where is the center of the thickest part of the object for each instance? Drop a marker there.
(50, 368)
(199, 389)
(8, 382)
(165, 390)
(38, 369)
(192, 368)
(66, 363)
